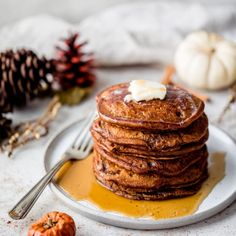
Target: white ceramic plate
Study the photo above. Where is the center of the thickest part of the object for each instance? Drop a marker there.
(223, 194)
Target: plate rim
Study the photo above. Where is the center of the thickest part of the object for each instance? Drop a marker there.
(128, 221)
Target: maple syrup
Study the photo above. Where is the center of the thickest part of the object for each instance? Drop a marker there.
(77, 179)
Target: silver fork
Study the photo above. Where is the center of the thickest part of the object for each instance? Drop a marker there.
(80, 148)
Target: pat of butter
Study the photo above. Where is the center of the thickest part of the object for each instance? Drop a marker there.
(145, 90)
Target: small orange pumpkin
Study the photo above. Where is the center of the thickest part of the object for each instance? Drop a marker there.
(53, 223)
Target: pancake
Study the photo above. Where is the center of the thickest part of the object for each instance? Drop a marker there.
(178, 110)
(150, 150)
(111, 172)
(166, 166)
(156, 141)
(146, 152)
(151, 195)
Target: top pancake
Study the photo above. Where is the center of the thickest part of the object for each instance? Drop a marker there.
(178, 110)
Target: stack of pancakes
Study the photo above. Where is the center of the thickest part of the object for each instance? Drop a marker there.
(150, 150)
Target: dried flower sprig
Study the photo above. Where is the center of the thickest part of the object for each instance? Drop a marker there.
(32, 130)
(231, 100)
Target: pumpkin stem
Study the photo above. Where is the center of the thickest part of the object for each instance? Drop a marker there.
(49, 224)
(213, 50)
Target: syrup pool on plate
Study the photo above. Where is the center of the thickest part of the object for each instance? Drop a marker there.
(76, 179)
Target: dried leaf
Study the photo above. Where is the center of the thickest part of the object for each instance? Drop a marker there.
(73, 96)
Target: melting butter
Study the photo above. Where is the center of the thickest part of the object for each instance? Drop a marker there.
(145, 90)
(77, 179)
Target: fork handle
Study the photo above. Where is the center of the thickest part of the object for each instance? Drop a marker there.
(22, 208)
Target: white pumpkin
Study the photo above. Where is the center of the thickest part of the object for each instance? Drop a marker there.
(206, 60)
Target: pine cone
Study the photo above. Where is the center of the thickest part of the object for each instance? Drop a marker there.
(5, 127)
(73, 68)
(23, 76)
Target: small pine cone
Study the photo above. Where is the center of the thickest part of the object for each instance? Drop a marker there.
(5, 127)
(23, 76)
(73, 68)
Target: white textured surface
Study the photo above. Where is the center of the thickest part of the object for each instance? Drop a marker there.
(135, 33)
(19, 174)
(148, 32)
(40, 33)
